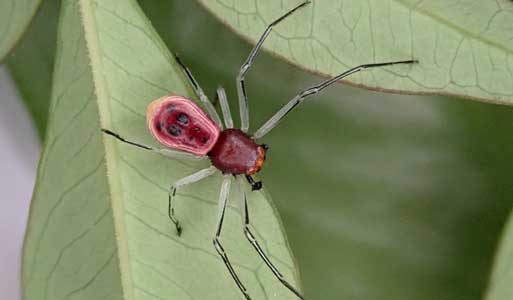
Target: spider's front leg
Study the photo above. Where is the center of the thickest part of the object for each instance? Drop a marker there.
(241, 88)
(299, 98)
(221, 96)
(199, 92)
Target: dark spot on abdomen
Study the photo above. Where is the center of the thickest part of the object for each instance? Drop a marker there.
(182, 118)
(174, 130)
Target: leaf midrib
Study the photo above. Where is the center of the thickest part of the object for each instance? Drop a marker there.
(101, 90)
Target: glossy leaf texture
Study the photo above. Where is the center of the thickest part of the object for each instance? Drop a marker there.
(98, 225)
(15, 16)
(464, 47)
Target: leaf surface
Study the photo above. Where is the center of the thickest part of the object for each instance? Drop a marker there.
(464, 47)
(15, 16)
(31, 62)
(98, 226)
(383, 196)
(499, 286)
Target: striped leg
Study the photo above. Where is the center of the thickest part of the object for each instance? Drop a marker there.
(163, 151)
(241, 88)
(252, 240)
(274, 120)
(223, 197)
(199, 92)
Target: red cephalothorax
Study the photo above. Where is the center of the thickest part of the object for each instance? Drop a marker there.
(178, 123)
(236, 153)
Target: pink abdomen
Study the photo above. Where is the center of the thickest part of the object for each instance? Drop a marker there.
(180, 124)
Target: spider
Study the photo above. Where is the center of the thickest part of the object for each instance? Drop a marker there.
(188, 132)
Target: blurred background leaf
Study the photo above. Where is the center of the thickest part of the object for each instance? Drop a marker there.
(31, 62)
(15, 16)
(464, 47)
(382, 196)
(500, 283)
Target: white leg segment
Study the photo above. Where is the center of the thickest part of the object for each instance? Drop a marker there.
(202, 174)
(199, 92)
(274, 120)
(223, 197)
(179, 154)
(227, 116)
(241, 89)
(252, 240)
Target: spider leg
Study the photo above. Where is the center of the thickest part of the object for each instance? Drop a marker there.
(255, 185)
(199, 92)
(225, 108)
(223, 197)
(195, 177)
(165, 152)
(274, 120)
(241, 90)
(252, 240)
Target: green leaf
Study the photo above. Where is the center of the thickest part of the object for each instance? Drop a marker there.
(464, 47)
(15, 16)
(383, 196)
(98, 225)
(500, 282)
(31, 62)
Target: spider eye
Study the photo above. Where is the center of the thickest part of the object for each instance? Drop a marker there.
(182, 119)
(174, 130)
